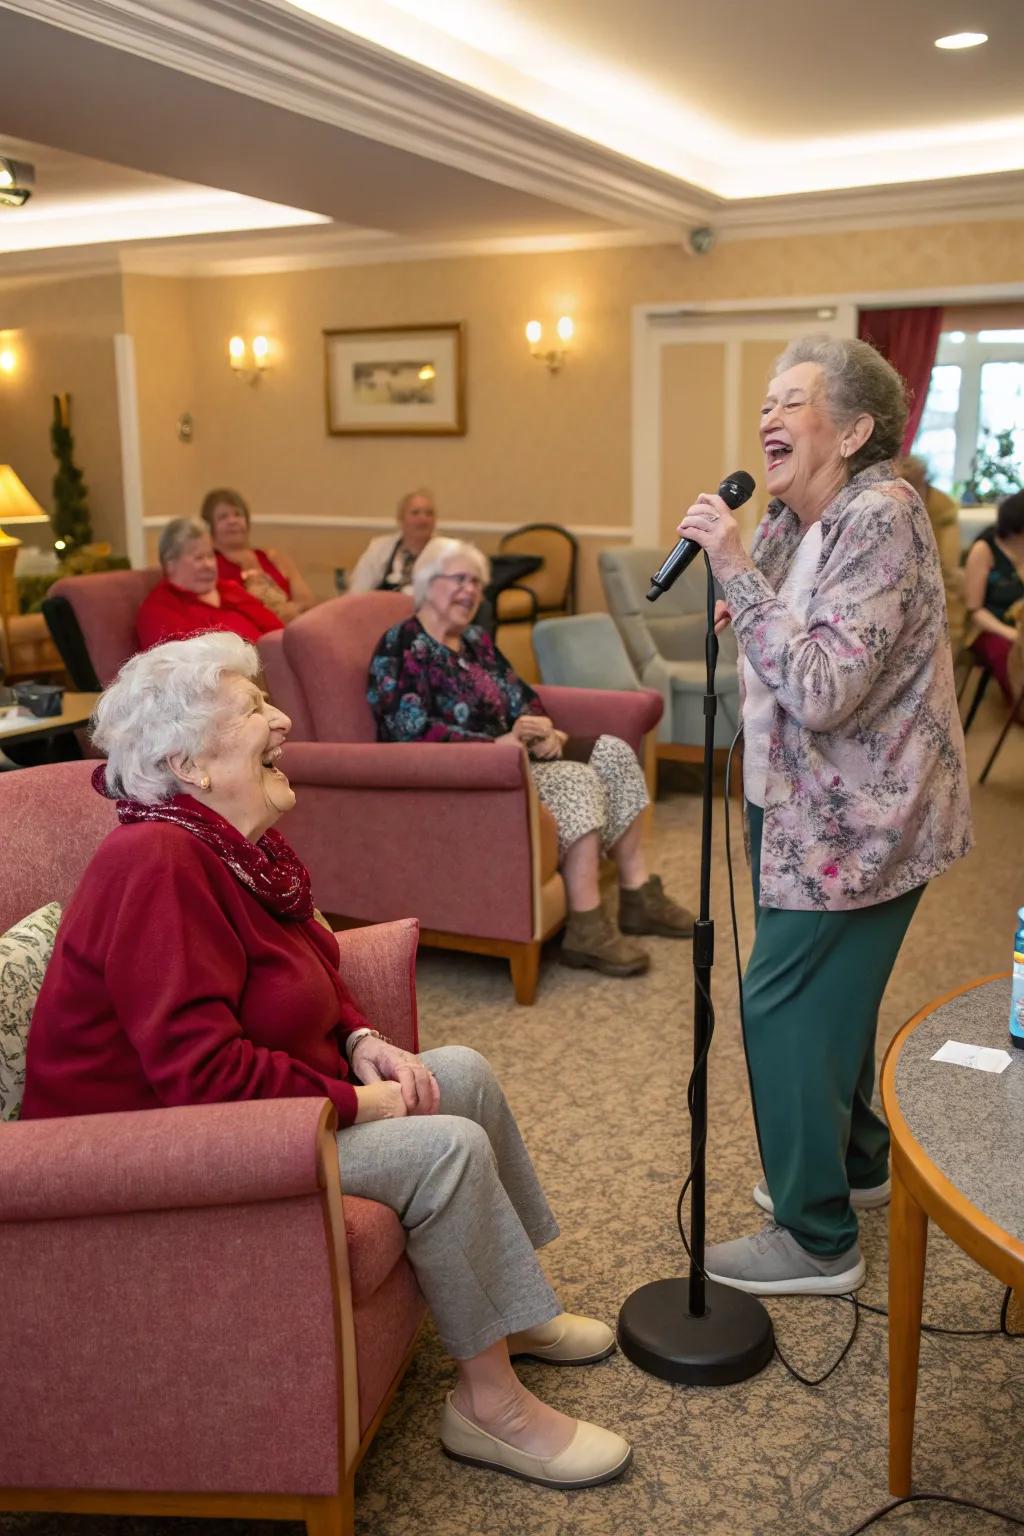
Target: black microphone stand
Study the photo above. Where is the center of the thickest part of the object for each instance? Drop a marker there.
(699, 1331)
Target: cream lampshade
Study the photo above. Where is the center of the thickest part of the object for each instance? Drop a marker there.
(17, 505)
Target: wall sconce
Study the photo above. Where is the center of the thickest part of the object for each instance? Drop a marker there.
(554, 357)
(8, 360)
(249, 362)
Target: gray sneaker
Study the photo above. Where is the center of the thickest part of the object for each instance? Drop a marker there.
(772, 1263)
(861, 1199)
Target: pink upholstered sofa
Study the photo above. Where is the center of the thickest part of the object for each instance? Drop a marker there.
(452, 833)
(196, 1321)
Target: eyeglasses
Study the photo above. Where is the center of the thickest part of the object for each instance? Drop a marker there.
(461, 579)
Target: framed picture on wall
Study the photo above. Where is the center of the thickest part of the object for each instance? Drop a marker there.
(396, 379)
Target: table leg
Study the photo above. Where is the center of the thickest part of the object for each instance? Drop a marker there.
(908, 1240)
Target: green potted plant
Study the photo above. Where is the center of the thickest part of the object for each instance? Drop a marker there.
(71, 519)
(995, 471)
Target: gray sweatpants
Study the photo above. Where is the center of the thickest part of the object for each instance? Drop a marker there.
(462, 1184)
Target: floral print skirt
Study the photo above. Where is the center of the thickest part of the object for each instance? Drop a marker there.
(605, 795)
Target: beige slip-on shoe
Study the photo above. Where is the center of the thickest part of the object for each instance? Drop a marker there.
(566, 1340)
(593, 1455)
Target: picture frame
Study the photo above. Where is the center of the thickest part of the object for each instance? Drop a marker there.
(396, 380)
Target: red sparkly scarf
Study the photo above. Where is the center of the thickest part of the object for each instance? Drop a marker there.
(270, 868)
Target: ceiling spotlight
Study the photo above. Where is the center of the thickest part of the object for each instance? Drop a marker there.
(13, 197)
(962, 40)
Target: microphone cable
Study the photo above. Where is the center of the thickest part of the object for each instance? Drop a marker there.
(856, 1305)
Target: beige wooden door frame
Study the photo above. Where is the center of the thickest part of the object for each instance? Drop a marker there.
(657, 326)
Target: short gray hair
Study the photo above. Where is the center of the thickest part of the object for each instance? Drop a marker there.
(436, 556)
(164, 701)
(411, 496)
(858, 381)
(179, 532)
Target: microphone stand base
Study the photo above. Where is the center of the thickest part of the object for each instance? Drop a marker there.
(731, 1342)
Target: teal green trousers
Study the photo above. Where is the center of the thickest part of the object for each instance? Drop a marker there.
(811, 995)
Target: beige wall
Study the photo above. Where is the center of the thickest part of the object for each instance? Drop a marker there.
(158, 316)
(539, 446)
(62, 333)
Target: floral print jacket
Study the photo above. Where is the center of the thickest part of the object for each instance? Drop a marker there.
(866, 796)
(419, 690)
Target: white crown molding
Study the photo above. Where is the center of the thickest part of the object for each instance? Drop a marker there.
(256, 256)
(28, 268)
(268, 50)
(958, 200)
(265, 49)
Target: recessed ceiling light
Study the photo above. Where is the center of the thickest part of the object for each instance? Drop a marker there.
(962, 40)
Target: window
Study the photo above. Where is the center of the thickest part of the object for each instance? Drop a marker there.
(976, 393)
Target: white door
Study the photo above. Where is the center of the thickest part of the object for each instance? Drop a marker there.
(699, 379)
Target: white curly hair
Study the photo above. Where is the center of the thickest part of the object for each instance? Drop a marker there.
(436, 556)
(165, 701)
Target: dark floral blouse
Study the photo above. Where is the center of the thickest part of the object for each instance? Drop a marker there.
(419, 690)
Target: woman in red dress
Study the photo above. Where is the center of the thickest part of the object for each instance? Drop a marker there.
(191, 598)
(191, 967)
(268, 574)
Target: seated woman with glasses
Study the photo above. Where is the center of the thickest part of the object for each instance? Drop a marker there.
(438, 677)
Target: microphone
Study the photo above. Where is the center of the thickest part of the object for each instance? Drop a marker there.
(734, 491)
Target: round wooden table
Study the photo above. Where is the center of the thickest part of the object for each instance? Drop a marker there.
(956, 1157)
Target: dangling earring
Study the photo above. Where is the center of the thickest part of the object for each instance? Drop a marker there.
(204, 782)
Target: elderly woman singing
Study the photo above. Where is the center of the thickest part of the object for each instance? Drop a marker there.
(438, 677)
(190, 968)
(855, 788)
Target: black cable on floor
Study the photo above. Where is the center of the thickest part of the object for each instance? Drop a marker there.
(857, 1305)
(934, 1498)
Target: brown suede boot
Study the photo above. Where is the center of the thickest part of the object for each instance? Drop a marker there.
(650, 910)
(592, 940)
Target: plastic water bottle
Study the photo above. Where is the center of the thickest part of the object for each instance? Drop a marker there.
(1017, 996)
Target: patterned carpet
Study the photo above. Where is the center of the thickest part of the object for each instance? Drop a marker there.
(596, 1072)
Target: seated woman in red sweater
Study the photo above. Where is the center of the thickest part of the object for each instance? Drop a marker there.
(191, 598)
(190, 968)
(268, 574)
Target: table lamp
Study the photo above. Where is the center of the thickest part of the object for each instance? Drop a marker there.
(17, 505)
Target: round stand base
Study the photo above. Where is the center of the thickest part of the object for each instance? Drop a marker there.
(733, 1340)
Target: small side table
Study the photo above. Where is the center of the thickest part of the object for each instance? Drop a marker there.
(956, 1150)
(76, 711)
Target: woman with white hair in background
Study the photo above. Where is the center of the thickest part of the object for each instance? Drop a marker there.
(191, 598)
(438, 677)
(191, 968)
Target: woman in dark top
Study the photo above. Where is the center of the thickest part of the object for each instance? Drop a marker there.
(993, 584)
(438, 677)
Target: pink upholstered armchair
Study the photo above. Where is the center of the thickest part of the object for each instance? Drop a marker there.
(452, 833)
(92, 621)
(196, 1321)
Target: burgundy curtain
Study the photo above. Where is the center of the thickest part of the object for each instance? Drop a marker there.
(909, 338)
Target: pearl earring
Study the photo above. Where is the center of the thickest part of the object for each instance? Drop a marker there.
(204, 782)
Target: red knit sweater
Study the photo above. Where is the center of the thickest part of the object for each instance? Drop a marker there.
(172, 613)
(171, 984)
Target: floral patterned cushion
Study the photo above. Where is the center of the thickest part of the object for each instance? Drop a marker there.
(25, 951)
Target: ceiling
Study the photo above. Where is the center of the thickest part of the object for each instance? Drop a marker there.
(76, 199)
(211, 134)
(744, 98)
